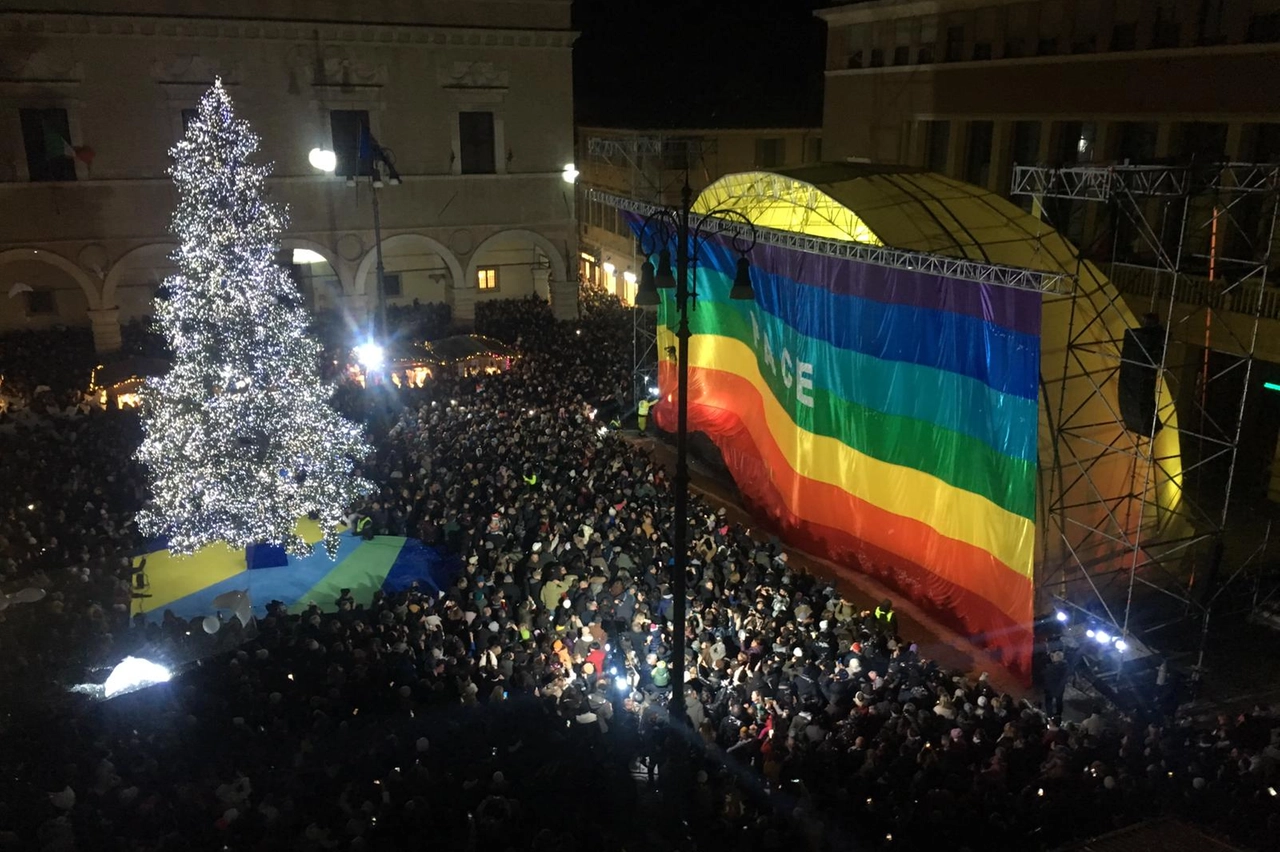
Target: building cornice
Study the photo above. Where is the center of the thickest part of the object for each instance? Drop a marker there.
(695, 131)
(44, 24)
(1211, 51)
(888, 10)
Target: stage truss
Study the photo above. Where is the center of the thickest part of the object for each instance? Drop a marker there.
(1197, 243)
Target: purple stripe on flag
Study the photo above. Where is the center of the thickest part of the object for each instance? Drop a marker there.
(1018, 310)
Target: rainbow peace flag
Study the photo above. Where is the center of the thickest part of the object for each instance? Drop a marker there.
(882, 418)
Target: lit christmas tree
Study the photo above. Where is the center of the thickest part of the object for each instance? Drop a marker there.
(240, 441)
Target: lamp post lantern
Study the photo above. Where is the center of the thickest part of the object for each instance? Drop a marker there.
(380, 165)
(690, 233)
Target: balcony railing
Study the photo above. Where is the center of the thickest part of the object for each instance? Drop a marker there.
(1196, 290)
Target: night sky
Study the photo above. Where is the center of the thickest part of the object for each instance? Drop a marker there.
(698, 63)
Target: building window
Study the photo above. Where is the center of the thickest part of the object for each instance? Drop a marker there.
(877, 57)
(391, 285)
(955, 44)
(855, 60)
(1210, 27)
(925, 55)
(977, 165)
(1026, 143)
(476, 138)
(1264, 28)
(1124, 36)
(487, 278)
(48, 142)
(189, 117)
(769, 152)
(1203, 142)
(41, 302)
(813, 149)
(982, 50)
(350, 130)
(902, 54)
(937, 140)
(1165, 30)
(1137, 142)
(1047, 46)
(1015, 47)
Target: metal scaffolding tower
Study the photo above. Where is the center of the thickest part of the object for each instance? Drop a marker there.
(656, 166)
(1196, 243)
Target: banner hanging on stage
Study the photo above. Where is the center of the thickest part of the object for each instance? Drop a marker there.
(883, 418)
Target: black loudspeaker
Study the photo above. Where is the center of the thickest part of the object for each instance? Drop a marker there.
(1142, 354)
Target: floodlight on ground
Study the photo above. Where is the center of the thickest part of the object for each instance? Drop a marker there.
(133, 674)
(370, 356)
(570, 173)
(305, 256)
(325, 161)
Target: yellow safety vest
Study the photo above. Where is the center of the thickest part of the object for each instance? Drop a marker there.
(531, 479)
(644, 407)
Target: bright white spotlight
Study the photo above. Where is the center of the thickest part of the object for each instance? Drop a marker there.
(1102, 636)
(622, 684)
(1061, 616)
(304, 256)
(570, 173)
(1089, 633)
(1122, 645)
(653, 390)
(133, 674)
(608, 268)
(325, 161)
(370, 356)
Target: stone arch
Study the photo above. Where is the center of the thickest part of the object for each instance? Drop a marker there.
(337, 265)
(400, 240)
(111, 285)
(558, 274)
(78, 274)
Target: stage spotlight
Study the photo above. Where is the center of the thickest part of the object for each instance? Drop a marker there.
(1102, 637)
(1061, 616)
(1122, 645)
(370, 356)
(1089, 633)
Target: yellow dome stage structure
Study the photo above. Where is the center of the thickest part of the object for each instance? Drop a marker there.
(1109, 505)
(919, 211)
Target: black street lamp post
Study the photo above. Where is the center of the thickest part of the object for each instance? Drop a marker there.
(690, 233)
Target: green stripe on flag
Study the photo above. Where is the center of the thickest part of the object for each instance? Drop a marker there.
(363, 572)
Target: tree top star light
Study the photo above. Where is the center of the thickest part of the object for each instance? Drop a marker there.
(240, 440)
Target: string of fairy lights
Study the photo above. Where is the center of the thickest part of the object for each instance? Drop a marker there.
(240, 440)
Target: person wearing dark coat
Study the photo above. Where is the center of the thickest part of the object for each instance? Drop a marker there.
(1054, 679)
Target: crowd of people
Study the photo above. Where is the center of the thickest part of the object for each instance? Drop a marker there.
(526, 707)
